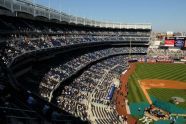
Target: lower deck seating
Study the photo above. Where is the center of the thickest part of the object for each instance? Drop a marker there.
(90, 90)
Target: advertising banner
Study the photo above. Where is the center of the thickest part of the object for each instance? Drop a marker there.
(169, 42)
(179, 43)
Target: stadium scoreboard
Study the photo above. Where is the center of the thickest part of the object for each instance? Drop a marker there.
(179, 42)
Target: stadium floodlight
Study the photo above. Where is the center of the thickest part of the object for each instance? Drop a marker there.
(130, 48)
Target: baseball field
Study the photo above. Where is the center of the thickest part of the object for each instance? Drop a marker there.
(159, 81)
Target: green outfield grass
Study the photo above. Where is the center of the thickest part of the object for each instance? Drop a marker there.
(166, 94)
(153, 71)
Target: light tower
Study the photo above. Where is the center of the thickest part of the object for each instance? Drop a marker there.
(130, 48)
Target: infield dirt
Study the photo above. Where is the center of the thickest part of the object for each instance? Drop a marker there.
(168, 84)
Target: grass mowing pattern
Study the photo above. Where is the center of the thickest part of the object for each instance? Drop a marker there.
(135, 92)
(153, 71)
(166, 94)
(162, 71)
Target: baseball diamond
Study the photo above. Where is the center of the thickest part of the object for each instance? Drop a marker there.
(154, 84)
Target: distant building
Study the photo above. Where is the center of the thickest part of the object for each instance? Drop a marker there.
(170, 34)
(178, 34)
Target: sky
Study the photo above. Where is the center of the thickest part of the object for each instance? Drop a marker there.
(164, 15)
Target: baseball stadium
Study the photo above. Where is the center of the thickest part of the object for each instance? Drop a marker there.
(59, 68)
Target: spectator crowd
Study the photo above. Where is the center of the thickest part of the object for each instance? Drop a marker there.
(86, 95)
(28, 35)
(58, 74)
